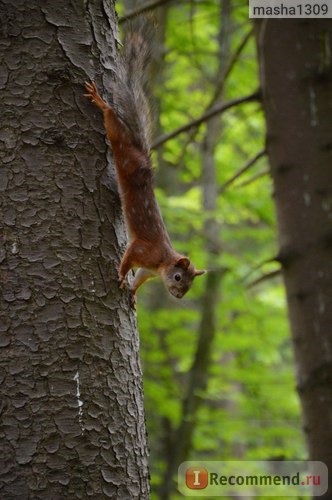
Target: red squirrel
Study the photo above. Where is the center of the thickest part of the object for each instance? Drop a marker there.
(127, 127)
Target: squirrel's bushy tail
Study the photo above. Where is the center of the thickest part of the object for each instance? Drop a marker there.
(130, 88)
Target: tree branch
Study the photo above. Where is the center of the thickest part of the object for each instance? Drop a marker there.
(254, 178)
(242, 170)
(220, 108)
(265, 277)
(141, 9)
(229, 67)
(220, 82)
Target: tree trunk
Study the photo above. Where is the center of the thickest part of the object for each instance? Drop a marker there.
(182, 439)
(72, 418)
(296, 78)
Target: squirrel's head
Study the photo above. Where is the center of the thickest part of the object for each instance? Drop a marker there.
(178, 277)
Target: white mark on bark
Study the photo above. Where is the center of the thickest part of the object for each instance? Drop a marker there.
(79, 400)
(321, 304)
(327, 204)
(14, 248)
(313, 107)
(307, 199)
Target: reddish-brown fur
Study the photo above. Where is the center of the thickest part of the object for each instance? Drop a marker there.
(150, 247)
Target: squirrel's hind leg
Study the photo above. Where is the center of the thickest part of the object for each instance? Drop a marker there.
(141, 276)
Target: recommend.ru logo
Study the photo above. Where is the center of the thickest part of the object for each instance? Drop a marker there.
(249, 478)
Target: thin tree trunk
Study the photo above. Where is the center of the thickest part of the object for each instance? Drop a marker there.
(182, 441)
(72, 418)
(296, 78)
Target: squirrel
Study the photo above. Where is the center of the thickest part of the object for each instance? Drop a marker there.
(127, 124)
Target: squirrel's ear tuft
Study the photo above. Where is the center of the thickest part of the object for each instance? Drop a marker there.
(183, 262)
(199, 272)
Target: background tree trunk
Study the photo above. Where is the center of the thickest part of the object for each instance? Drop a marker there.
(182, 438)
(296, 78)
(72, 419)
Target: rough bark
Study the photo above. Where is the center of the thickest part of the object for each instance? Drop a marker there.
(72, 419)
(296, 78)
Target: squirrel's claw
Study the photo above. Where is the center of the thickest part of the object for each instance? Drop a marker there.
(92, 94)
(91, 90)
(122, 283)
(132, 294)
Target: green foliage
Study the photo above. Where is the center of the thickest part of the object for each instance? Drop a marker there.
(249, 409)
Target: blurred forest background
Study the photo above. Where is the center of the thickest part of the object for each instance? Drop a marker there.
(218, 366)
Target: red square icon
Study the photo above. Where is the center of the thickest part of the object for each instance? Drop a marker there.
(197, 478)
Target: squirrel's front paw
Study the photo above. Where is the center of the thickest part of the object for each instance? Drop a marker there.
(122, 283)
(92, 94)
(132, 294)
(91, 90)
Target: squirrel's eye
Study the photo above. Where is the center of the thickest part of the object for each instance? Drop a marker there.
(177, 277)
